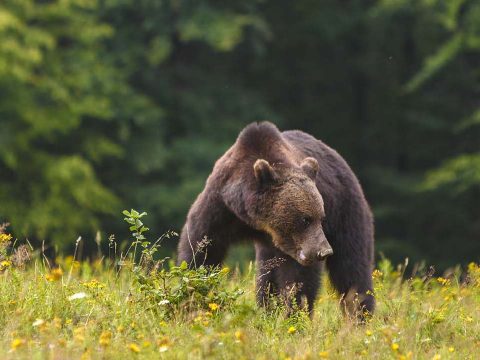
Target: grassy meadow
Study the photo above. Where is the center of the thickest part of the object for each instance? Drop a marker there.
(114, 308)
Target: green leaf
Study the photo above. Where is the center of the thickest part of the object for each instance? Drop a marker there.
(459, 174)
(436, 62)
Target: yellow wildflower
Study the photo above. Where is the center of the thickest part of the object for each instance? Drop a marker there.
(451, 349)
(240, 335)
(323, 354)
(93, 284)
(377, 273)
(105, 338)
(395, 346)
(16, 343)
(213, 306)
(5, 264)
(291, 330)
(437, 357)
(443, 281)
(5, 237)
(55, 274)
(368, 333)
(225, 270)
(78, 334)
(134, 348)
(69, 262)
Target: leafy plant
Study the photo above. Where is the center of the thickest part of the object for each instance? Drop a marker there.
(187, 289)
(178, 287)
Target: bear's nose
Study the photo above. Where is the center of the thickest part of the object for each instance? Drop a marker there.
(323, 254)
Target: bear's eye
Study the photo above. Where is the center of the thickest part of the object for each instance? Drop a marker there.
(306, 220)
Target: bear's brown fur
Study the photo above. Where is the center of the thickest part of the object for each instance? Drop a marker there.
(298, 200)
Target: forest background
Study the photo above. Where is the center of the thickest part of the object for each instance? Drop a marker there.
(114, 104)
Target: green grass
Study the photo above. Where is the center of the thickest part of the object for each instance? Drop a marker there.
(117, 317)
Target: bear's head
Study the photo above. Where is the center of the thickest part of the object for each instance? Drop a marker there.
(290, 209)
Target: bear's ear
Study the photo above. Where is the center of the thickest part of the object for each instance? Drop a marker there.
(310, 166)
(264, 173)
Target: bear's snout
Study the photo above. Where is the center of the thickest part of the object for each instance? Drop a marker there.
(307, 256)
(323, 254)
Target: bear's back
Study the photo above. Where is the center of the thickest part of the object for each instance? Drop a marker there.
(331, 163)
(335, 180)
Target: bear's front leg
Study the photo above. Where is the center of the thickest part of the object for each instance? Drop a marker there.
(297, 282)
(265, 283)
(200, 251)
(280, 275)
(207, 233)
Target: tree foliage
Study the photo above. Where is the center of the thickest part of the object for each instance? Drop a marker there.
(107, 104)
(54, 84)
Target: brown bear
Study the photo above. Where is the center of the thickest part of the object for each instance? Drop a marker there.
(302, 206)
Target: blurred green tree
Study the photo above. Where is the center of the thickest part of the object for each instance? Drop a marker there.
(181, 56)
(53, 82)
(101, 96)
(106, 104)
(452, 228)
